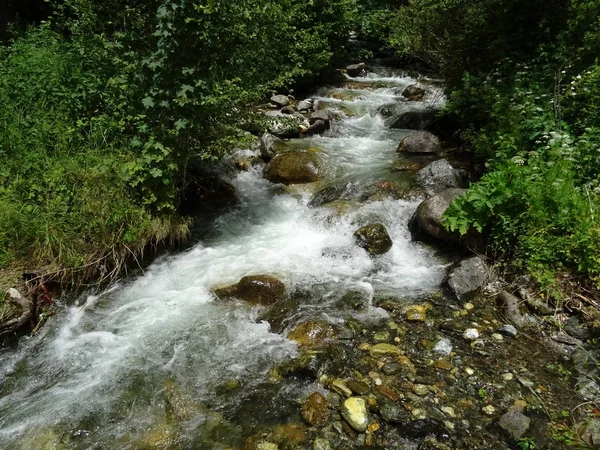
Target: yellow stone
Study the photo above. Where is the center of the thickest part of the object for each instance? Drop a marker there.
(416, 313)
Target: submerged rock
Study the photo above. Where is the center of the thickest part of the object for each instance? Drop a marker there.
(438, 176)
(294, 168)
(420, 142)
(312, 333)
(354, 411)
(466, 279)
(315, 410)
(374, 238)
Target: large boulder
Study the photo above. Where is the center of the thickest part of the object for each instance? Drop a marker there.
(356, 70)
(318, 127)
(413, 119)
(293, 168)
(267, 146)
(319, 115)
(304, 105)
(280, 100)
(255, 289)
(414, 92)
(374, 238)
(427, 220)
(438, 176)
(420, 142)
(467, 278)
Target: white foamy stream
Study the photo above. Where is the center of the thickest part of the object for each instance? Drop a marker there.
(167, 324)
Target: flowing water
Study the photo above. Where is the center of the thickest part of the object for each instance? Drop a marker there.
(98, 373)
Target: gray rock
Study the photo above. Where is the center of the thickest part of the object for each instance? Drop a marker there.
(354, 411)
(511, 309)
(515, 424)
(414, 119)
(304, 105)
(318, 127)
(420, 142)
(508, 330)
(321, 444)
(438, 176)
(589, 431)
(288, 109)
(428, 217)
(393, 413)
(466, 279)
(319, 115)
(356, 70)
(267, 146)
(285, 129)
(573, 327)
(280, 100)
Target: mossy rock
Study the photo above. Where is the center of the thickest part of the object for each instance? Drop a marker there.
(374, 238)
(260, 289)
(311, 334)
(294, 168)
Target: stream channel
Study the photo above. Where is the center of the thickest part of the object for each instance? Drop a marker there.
(158, 361)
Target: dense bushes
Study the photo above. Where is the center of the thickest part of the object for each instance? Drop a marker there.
(103, 108)
(523, 80)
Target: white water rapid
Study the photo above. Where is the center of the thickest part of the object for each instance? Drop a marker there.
(94, 376)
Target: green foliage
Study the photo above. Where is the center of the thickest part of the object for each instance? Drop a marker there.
(526, 443)
(103, 110)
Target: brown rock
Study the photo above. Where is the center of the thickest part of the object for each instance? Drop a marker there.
(315, 411)
(293, 168)
(312, 333)
(260, 289)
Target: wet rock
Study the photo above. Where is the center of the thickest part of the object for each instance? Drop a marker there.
(420, 389)
(312, 333)
(466, 279)
(508, 331)
(315, 411)
(321, 444)
(288, 110)
(288, 127)
(423, 427)
(380, 191)
(267, 146)
(393, 413)
(374, 238)
(437, 177)
(356, 70)
(428, 217)
(177, 405)
(471, 334)
(204, 191)
(354, 411)
(333, 193)
(279, 314)
(340, 387)
(443, 347)
(319, 115)
(358, 387)
(431, 443)
(414, 92)
(318, 127)
(293, 168)
(260, 289)
(412, 119)
(416, 313)
(515, 424)
(160, 436)
(304, 105)
(407, 167)
(280, 100)
(511, 309)
(420, 142)
(380, 350)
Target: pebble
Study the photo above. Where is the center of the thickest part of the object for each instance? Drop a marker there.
(469, 306)
(449, 411)
(381, 336)
(443, 346)
(497, 337)
(443, 364)
(489, 410)
(420, 389)
(354, 411)
(373, 427)
(416, 313)
(392, 368)
(379, 350)
(507, 376)
(471, 334)
(358, 387)
(469, 370)
(338, 385)
(321, 444)
(416, 412)
(508, 330)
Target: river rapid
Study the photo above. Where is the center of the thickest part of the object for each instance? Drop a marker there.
(113, 369)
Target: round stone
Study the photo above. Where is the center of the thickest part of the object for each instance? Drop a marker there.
(354, 411)
(416, 313)
(471, 334)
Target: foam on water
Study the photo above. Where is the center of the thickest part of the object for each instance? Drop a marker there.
(168, 324)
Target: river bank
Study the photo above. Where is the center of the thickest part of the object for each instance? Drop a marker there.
(358, 351)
